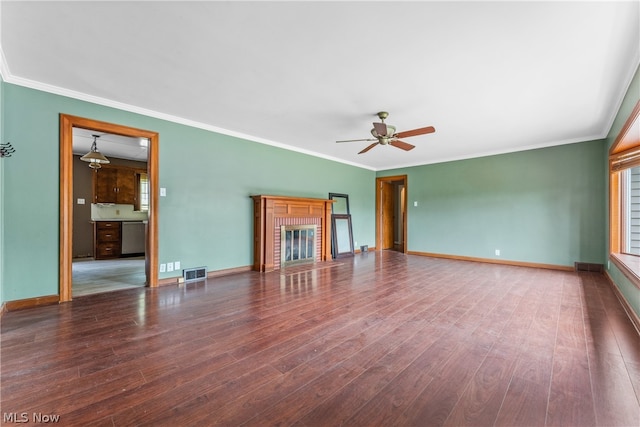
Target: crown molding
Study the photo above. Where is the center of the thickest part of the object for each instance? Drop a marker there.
(8, 78)
(478, 155)
(32, 84)
(623, 92)
(4, 67)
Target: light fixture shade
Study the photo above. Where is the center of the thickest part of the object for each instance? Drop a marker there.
(95, 157)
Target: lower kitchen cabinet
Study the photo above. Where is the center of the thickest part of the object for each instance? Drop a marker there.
(108, 239)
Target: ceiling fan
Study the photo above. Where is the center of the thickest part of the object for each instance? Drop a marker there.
(385, 134)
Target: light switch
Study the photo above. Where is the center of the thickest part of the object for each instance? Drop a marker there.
(81, 201)
(415, 203)
(163, 192)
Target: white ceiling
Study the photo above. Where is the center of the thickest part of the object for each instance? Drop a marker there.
(110, 145)
(491, 77)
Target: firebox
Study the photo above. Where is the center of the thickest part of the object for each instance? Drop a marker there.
(297, 244)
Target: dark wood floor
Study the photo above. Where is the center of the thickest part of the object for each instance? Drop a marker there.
(382, 339)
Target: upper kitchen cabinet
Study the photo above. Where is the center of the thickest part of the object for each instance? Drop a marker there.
(115, 185)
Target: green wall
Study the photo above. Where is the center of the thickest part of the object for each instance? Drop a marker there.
(206, 217)
(628, 289)
(539, 206)
(2, 203)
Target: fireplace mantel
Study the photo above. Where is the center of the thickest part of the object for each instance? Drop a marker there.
(269, 211)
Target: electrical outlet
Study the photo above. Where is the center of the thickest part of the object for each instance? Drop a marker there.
(163, 268)
(81, 201)
(497, 252)
(169, 266)
(176, 265)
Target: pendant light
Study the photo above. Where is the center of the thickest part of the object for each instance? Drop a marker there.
(95, 157)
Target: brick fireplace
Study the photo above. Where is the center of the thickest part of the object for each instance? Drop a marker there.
(271, 213)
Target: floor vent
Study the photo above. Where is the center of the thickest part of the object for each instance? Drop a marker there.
(586, 266)
(199, 273)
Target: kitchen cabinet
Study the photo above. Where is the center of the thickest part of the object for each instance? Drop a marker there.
(108, 242)
(115, 185)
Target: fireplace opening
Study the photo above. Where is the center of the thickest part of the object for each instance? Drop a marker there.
(297, 244)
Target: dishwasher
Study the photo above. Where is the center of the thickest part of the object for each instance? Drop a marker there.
(133, 237)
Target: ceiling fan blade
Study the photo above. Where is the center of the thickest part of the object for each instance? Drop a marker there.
(381, 129)
(402, 145)
(415, 132)
(368, 148)
(357, 140)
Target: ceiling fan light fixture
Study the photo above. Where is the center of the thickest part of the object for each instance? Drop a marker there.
(385, 134)
(94, 157)
(391, 130)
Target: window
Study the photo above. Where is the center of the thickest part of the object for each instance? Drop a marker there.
(630, 210)
(143, 192)
(624, 203)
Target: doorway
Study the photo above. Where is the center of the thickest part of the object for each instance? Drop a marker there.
(391, 213)
(67, 125)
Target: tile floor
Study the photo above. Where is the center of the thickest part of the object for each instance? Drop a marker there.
(91, 276)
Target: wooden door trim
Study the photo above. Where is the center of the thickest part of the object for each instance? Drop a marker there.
(67, 123)
(405, 182)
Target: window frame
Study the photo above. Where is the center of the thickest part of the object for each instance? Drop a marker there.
(623, 154)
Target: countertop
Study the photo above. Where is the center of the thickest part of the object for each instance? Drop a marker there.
(117, 220)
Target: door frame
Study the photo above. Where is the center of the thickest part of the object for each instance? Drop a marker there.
(379, 182)
(67, 123)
